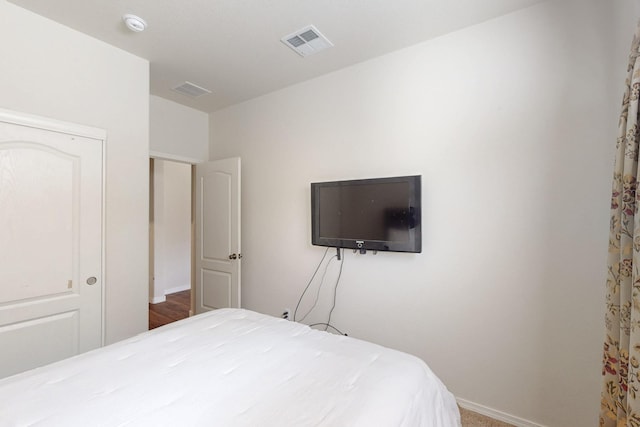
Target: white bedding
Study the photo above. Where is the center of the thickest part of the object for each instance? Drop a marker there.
(231, 368)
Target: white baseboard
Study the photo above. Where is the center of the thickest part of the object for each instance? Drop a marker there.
(178, 289)
(497, 415)
(157, 300)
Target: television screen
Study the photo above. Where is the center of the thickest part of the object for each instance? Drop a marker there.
(368, 214)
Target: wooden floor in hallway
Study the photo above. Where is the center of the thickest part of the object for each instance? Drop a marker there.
(176, 307)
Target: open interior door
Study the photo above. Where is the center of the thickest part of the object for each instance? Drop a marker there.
(217, 254)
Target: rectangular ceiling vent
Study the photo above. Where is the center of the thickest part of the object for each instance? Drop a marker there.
(191, 90)
(307, 41)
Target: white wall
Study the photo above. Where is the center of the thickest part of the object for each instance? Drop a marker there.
(512, 125)
(53, 71)
(172, 228)
(178, 132)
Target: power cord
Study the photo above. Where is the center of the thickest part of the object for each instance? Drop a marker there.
(309, 284)
(326, 268)
(335, 290)
(326, 325)
(340, 257)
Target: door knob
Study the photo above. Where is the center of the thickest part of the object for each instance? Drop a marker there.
(91, 281)
(233, 256)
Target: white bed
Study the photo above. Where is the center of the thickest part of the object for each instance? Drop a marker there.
(231, 368)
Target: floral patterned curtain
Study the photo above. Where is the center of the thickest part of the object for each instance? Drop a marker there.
(620, 405)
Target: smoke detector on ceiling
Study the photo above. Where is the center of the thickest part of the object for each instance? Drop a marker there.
(134, 23)
(191, 90)
(307, 41)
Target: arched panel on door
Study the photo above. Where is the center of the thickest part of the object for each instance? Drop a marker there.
(51, 288)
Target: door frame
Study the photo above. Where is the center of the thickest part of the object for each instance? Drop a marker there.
(100, 135)
(157, 155)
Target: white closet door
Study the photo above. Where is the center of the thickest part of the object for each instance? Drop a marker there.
(51, 244)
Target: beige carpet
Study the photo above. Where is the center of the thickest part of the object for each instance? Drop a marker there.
(472, 419)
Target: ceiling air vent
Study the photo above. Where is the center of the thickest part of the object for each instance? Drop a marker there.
(191, 90)
(307, 41)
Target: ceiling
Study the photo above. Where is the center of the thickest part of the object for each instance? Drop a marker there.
(233, 47)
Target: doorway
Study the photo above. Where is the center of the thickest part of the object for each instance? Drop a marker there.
(170, 241)
(218, 262)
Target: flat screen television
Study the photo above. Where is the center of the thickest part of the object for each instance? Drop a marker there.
(381, 214)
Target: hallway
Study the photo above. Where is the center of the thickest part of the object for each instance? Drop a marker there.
(176, 307)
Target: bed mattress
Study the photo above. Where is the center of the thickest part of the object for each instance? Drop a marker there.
(231, 367)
